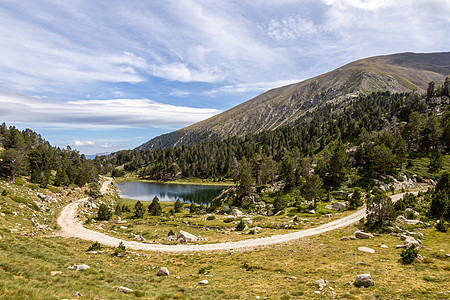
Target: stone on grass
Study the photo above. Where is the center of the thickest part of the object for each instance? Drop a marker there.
(163, 272)
(236, 212)
(360, 263)
(353, 237)
(411, 241)
(366, 249)
(186, 237)
(337, 206)
(204, 281)
(312, 211)
(78, 294)
(79, 267)
(321, 283)
(54, 273)
(124, 290)
(384, 246)
(363, 235)
(344, 238)
(364, 280)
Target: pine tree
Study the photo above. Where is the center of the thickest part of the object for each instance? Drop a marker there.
(178, 206)
(103, 213)
(138, 210)
(155, 207)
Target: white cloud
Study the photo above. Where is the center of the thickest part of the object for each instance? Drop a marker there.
(253, 87)
(98, 114)
(78, 143)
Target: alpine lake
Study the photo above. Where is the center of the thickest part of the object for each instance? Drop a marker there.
(189, 193)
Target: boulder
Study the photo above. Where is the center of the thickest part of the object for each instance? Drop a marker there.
(402, 219)
(140, 238)
(363, 235)
(312, 211)
(186, 237)
(344, 238)
(337, 206)
(236, 212)
(353, 237)
(204, 281)
(321, 283)
(54, 273)
(163, 272)
(411, 241)
(364, 280)
(366, 249)
(384, 246)
(124, 290)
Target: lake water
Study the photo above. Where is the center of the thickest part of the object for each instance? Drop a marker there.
(146, 191)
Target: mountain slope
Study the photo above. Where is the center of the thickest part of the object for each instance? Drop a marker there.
(395, 73)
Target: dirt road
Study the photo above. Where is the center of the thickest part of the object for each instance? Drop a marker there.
(71, 227)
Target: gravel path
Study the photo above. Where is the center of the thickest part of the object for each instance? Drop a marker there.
(71, 227)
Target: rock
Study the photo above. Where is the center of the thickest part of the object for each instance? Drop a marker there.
(363, 235)
(236, 212)
(124, 290)
(312, 211)
(364, 280)
(411, 241)
(384, 246)
(344, 238)
(140, 238)
(186, 237)
(204, 281)
(353, 237)
(54, 273)
(326, 216)
(337, 206)
(79, 267)
(366, 249)
(78, 294)
(447, 255)
(402, 219)
(321, 283)
(163, 272)
(360, 263)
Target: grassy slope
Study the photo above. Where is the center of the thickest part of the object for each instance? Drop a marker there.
(26, 263)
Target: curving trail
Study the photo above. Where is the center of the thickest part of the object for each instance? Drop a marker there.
(70, 227)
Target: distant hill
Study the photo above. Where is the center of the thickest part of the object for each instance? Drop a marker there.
(395, 73)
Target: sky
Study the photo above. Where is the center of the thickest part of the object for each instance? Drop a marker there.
(102, 76)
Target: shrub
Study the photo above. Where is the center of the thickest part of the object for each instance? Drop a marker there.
(240, 226)
(442, 226)
(171, 232)
(120, 250)
(94, 247)
(178, 206)
(53, 189)
(103, 213)
(228, 220)
(210, 218)
(138, 210)
(4, 193)
(410, 215)
(155, 208)
(409, 254)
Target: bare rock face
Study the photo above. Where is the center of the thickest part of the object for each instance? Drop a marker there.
(363, 235)
(364, 280)
(186, 237)
(163, 272)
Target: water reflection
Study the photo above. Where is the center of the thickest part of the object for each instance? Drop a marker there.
(146, 191)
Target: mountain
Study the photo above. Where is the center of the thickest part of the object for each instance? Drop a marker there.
(281, 106)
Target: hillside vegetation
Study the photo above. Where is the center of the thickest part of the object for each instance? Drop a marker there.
(396, 73)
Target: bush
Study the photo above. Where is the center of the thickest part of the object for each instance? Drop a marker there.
(4, 193)
(409, 254)
(94, 247)
(240, 226)
(210, 218)
(171, 232)
(120, 250)
(178, 206)
(442, 226)
(103, 213)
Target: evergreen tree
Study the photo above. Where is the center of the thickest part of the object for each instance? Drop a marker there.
(118, 210)
(312, 190)
(178, 206)
(380, 211)
(138, 210)
(103, 213)
(339, 163)
(155, 207)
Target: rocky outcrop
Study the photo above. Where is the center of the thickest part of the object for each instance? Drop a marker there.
(336, 206)
(363, 235)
